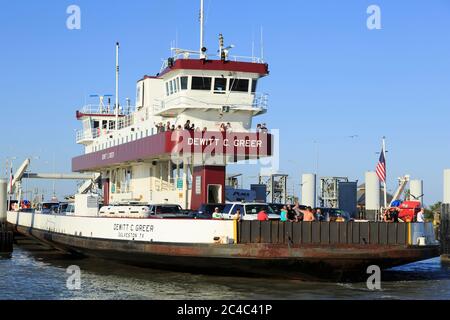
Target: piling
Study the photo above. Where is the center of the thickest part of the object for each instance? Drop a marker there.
(6, 235)
(445, 232)
(416, 190)
(445, 220)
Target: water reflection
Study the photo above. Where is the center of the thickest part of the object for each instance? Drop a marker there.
(42, 275)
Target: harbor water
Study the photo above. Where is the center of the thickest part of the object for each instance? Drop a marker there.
(39, 274)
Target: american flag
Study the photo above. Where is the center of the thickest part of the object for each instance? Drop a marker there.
(381, 167)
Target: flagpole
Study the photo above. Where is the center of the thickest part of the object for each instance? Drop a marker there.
(385, 188)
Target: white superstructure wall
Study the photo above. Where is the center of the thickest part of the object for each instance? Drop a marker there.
(446, 198)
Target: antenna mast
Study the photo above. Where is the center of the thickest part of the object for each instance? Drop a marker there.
(262, 44)
(202, 22)
(117, 86)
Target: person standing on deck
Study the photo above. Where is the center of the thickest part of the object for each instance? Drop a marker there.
(284, 214)
(421, 216)
(217, 215)
(319, 215)
(309, 215)
(262, 216)
(298, 212)
(238, 216)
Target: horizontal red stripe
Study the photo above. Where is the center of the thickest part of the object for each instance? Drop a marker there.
(218, 65)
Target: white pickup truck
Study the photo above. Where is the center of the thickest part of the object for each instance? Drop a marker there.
(249, 211)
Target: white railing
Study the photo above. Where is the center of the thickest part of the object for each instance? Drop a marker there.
(86, 135)
(246, 59)
(83, 135)
(181, 54)
(260, 101)
(126, 121)
(106, 110)
(89, 135)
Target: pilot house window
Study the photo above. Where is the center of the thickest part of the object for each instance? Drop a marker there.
(220, 85)
(184, 83)
(239, 85)
(254, 85)
(201, 83)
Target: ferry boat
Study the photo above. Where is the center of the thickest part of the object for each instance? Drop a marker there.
(189, 122)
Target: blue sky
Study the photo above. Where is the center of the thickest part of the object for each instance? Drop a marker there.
(331, 77)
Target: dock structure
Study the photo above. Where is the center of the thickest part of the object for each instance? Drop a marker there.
(445, 232)
(445, 219)
(6, 235)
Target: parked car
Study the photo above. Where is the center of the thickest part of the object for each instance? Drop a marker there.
(336, 215)
(167, 211)
(206, 211)
(249, 211)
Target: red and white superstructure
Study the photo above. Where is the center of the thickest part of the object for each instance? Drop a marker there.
(139, 162)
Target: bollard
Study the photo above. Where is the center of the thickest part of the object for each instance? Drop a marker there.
(3, 201)
(372, 196)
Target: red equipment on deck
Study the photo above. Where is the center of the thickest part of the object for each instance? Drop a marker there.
(409, 210)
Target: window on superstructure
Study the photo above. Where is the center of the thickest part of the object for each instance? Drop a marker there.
(201, 83)
(184, 83)
(254, 85)
(220, 85)
(239, 85)
(175, 85)
(167, 89)
(170, 87)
